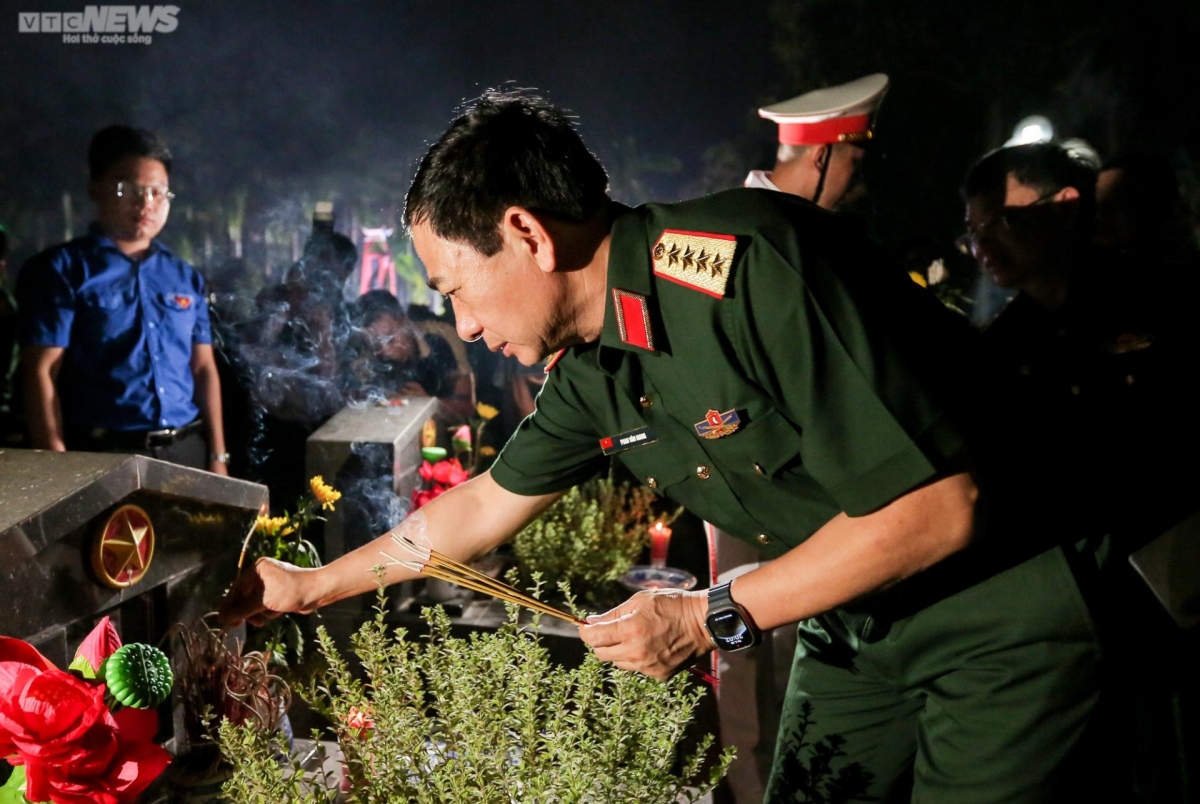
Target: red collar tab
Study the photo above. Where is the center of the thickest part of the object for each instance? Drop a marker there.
(855, 128)
(553, 361)
(633, 318)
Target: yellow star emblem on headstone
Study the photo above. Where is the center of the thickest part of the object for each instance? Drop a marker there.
(124, 547)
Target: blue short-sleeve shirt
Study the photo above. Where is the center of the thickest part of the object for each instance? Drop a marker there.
(128, 329)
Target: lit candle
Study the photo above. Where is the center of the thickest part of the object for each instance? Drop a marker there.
(660, 539)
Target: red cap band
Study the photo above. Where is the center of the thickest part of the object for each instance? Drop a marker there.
(824, 132)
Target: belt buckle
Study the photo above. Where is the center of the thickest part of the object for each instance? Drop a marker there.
(167, 436)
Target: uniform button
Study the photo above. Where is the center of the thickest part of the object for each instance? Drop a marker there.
(152, 325)
(758, 467)
(163, 422)
(651, 482)
(703, 472)
(645, 401)
(764, 538)
(162, 390)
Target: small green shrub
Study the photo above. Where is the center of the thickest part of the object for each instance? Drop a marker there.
(590, 537)
(481, 720)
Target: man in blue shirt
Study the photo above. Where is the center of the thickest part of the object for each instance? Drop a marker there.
(116, 349)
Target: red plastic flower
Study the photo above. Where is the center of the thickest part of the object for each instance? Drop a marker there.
(450, 473)
(44, 716)
(422, 496)
(121, 761)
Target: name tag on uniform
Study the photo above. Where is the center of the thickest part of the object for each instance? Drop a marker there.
(611, 445)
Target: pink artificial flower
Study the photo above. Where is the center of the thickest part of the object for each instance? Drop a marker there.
(101, 643)
(461, 440)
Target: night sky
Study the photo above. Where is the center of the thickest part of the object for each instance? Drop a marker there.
(283, 89)
(285, 101)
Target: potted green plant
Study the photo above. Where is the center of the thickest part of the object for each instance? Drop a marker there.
(485, 718)
(590, 538)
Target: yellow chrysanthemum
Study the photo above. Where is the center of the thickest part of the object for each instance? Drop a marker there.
(269, 525)
(487, 452)
(324, 493)
(486, 411)
(919, 278)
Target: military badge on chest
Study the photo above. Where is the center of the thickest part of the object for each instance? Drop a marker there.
(717, 424)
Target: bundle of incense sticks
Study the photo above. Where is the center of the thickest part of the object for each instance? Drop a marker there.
(437, 565)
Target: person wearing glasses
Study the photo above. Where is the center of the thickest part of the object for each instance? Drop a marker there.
(1106, 356)
(116, 350)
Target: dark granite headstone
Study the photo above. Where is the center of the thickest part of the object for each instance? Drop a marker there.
(53, 504)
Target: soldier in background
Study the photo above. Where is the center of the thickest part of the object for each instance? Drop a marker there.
(822, 135)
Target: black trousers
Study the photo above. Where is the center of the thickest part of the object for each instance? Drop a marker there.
(191, 449)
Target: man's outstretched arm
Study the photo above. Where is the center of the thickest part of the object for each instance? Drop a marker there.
(463, 523)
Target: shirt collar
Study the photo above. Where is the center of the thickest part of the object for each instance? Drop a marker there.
(102, 242)
(761, 180)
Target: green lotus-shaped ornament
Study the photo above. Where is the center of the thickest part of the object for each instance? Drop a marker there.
(138, 676)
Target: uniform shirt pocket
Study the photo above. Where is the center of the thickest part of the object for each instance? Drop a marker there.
(178, 316)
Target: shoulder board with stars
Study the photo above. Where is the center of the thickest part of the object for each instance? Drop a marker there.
(698, 260)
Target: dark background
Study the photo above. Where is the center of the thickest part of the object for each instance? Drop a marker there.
(272, 105)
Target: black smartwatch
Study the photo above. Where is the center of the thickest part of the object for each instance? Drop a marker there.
(729, 625)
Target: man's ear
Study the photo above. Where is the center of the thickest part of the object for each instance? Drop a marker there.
(521, 229)
(1067, 194)
(820, 156)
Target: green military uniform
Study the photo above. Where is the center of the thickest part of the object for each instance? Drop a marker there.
(836, 389)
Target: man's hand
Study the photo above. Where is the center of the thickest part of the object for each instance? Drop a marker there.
(268, 589)
(654, 633)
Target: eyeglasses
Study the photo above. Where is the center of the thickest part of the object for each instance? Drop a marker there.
(150, 193)
(1002, 221)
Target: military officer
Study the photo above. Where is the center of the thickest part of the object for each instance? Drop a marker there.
(822, 135)
(739, 354)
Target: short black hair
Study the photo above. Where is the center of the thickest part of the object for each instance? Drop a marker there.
(110, 145)
(1045, 166)
(505, 149)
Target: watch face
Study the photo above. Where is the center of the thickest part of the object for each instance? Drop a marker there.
(729, 630)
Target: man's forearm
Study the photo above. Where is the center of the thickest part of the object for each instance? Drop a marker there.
(851, 557)
(43, 410)
(463, 523)
(207, 395)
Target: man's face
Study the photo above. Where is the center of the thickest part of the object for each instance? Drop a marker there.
(140, 212)
(1015, 237)
(505, 298)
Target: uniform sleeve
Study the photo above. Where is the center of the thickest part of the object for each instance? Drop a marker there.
(555, 447)
(45, 303)
(831, 345)
(202, 332)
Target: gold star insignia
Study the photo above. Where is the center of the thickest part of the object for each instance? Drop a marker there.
(124, 548)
